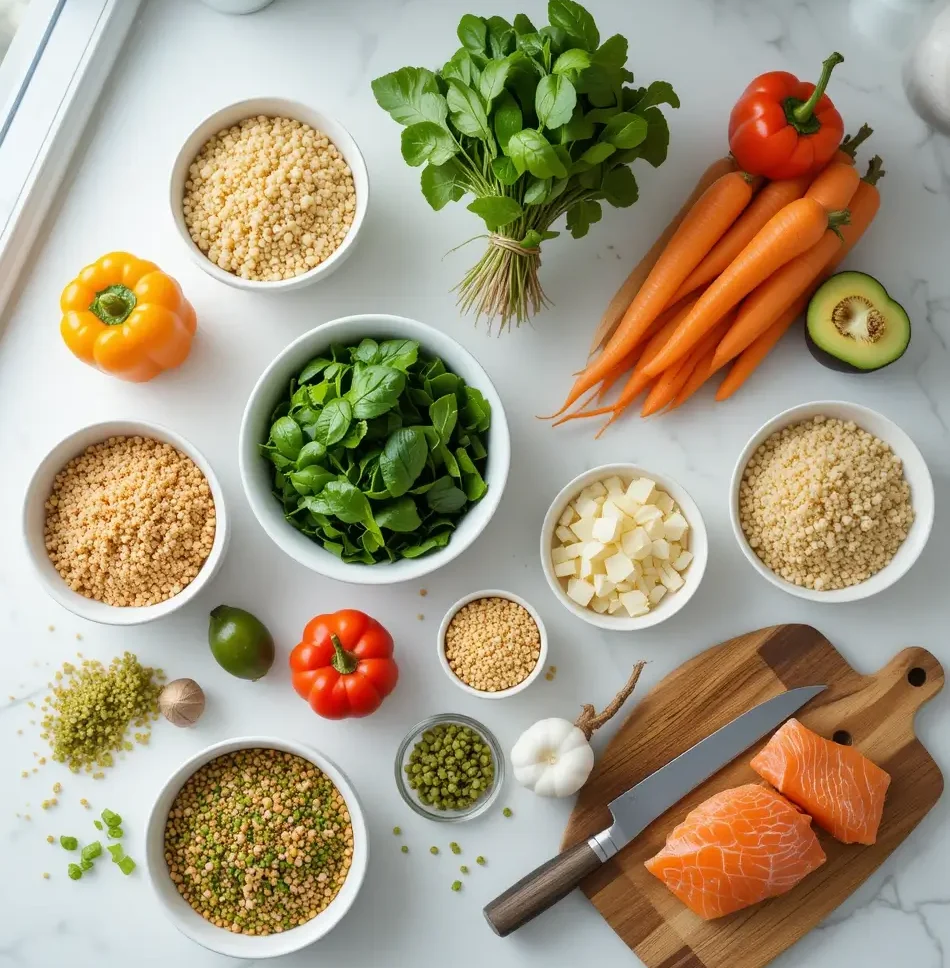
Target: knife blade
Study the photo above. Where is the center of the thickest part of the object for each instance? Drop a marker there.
(634, 810)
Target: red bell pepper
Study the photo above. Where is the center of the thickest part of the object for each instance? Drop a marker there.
(782, 127)
(343, 666)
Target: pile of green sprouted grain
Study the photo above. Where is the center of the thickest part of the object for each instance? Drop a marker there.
(91, 710)
(258, 841)
(129, 522)
(450, 767)
(825, 504)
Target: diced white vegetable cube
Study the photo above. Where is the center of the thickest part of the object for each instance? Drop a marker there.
(614, 486)
(654, 528)
(682, 561)
(675, 526)
(684, 541)
(661, 549)
(583, 528)
(641, 490)
(566, 569)
(619, 567)
(603, 586)
(559, 554)
(596, 489)
(610, 510)
(599, 499)
(649, 512)
(567, 516)
(606, 530)
(614, 606)
(656, 594)
(586, 507)
(565, 534)
(646, 583)
(586, 568)
(599, 605)
(675, 550)
(635, 602)
(628, 507)
(628, 524)
(580, 591)
(596, 550)
(624, 586)
(647, 563)
(671, 578)
(575, 550)
(636, 544)
(663, 501)
(614, 595)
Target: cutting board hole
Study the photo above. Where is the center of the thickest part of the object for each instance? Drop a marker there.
(842, 737)
(917, 676)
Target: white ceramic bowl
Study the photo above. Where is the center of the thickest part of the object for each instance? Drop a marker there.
(535, 672)
(670, 604)
(193, 925)
(34, 519)
(256, 472)
(270, 107)
(915, 471)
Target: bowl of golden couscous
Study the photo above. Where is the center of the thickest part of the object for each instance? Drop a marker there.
(256, 847)
(124, 522)
(831, 501)
(269, 194)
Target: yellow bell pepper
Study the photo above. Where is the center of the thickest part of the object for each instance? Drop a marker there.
(127, 317)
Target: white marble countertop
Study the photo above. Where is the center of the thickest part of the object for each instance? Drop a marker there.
(184, 61)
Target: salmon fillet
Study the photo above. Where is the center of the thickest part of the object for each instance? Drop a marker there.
(737, 848)
(842, 789)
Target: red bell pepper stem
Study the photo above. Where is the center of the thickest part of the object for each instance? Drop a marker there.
(800, 115)
(344, 662)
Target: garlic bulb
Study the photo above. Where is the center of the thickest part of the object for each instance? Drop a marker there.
(552, 758)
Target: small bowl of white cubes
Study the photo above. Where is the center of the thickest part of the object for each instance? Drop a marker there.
(623, 548)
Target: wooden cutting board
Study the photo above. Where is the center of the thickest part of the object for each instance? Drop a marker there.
(875, 713)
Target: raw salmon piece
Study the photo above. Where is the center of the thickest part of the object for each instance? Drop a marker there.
(842, 789)
(737, 848)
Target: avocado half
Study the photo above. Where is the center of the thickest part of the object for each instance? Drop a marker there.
(854, 326)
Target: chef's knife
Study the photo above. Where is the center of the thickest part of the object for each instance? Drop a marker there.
(636, 809)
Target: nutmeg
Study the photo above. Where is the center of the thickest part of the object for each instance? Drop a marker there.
(182, 702)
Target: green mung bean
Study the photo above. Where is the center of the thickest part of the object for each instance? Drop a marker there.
(450, 767)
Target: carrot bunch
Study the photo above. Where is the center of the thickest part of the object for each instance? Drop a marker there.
(724, 282)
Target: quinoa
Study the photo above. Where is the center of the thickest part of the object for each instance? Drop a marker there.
(269, 198)
(129, 522)
(492, 644)
(91, 709)
(258, 841)
(825, 504)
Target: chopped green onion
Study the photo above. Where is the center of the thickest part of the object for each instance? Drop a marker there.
(74, 871)
(456, 885)
(506, 812)
(397, 830)
(98, 824)
(404, 849)
(111, 819)
(92, 851)
(85, 864)
(126, 865)
(68, 843)
(117, 852)
(454, 847)
(115, 833)
(480, 860)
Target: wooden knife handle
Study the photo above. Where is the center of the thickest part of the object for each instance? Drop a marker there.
(543, 887)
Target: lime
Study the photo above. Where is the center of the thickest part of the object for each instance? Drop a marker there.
(240, 642)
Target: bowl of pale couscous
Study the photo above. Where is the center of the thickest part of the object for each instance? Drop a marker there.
(831, 501)
(269, 194)
(124, 522)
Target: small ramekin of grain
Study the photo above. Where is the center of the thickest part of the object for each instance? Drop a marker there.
(125, 522)
(492, 644)
(256, 847)
(269, 194)
(831, 502)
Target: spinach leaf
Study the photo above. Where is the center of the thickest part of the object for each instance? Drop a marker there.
(310, 480)
(402, 459)
(448, 459)
(341, 500)
(310, 453)
(572, 62)
(478, 448)
(658, 92)
(507, 119)
(473, 33)
(501, 37)
(475, 486)
(581, 215)
(375, 390)
(334, 422)
(444, 415)
(597, 153)
(400, 516)
(442, 184)
(612, 52)
(494, 75)
(654, 147)
(355, 434)
(531, 151)
(427, 141)
(554, 100)
(468, 111)
(620, 187)
(287, 437)
(496, 210)
(522, 24)
(400, 354)
(625, 130)
(313, 369)
(575, 21)
(366, 352)
(504, 169)
(444, 496)
(410, 95)
(430, 544)
(477, 412)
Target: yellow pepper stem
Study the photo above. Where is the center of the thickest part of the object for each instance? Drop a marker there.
(113, 305)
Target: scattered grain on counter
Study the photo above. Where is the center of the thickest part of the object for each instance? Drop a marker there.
(129, 522)
(269, 199)
(492, 644)
(825, 504)
(93, 708)
(258, 841)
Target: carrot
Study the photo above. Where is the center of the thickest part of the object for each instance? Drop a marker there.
(834, 188)
(717, 208)
(771, 200)
(636, 382)
(701, 373)
(794, 230)
(631, 285)
(864, 206)
(758, 350)
(849, 146)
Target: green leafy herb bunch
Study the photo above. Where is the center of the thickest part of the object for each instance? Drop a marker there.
(535, 124)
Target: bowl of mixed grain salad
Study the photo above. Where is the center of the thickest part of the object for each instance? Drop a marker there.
(831, 501)
(269, 194)
(492, 644)
(256, 847)
(124, 522)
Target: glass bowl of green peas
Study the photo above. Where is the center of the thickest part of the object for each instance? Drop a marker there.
(449, 768)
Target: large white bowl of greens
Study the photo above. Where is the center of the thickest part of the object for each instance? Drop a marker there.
(374, 449)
